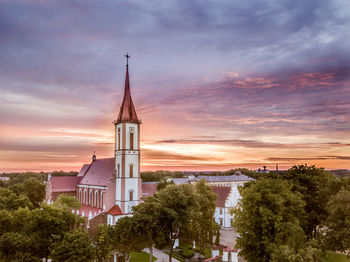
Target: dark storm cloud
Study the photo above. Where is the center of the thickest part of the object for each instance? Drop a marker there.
(80, 42)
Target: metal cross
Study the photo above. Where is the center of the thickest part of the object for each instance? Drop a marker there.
(127, 59)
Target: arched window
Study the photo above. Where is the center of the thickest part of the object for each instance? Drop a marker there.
(85, 196)
(118, 170)
(131, 171)
(131, 141)
(96, 196)
(118, 138)
(80, 196)
(101, 200)
(131, 195)
(90, 197)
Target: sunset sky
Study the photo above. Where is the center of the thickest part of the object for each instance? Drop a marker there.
(217, 84)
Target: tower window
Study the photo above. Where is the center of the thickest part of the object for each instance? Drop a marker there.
(131, 171)
(131, 195)
(131, 141)
(118, 170)
(118, 138)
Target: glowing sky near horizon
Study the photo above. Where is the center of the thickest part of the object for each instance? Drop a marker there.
(217, 84)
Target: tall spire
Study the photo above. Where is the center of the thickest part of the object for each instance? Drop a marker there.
(127, 111)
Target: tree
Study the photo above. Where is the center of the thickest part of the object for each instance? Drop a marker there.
(67, 202)
(179, 209)
(267, 218)
(103, 242)
(11, 201)
(35, 190)
(75, 246)
(147, 222)
(164, 182)
(49, 224)
(18, 247)
(125, 238)
(217, 239)
(207, 203)
(316, 186)
(336, 228)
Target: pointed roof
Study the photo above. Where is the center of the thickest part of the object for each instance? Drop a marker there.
(115, 211)
(127, 111)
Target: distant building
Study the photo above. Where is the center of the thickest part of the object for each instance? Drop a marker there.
(4, 178)
(264, 170)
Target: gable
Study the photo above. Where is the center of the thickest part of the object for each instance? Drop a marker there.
(99, 173)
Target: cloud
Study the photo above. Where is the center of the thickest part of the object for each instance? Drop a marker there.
(298, 159)
(253, 143)
(158, 155)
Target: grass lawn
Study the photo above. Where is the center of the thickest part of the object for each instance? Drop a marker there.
(140, 257)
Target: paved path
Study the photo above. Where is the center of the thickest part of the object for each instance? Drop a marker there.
(160, 255)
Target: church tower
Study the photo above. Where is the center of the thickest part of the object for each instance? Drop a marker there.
(127, 152)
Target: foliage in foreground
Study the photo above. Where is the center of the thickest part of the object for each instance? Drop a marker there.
(292, 215)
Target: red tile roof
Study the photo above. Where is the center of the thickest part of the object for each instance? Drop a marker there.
(222, 192)
(115, 211)
(127, 110)
(149, 188)
(83, 170)
(99, 173)
(64, 183)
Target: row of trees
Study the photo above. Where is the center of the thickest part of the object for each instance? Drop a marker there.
(31, 230)
(293, 216)
(174, 211)
(160, 175)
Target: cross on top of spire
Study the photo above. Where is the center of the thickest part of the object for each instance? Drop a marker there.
(127, 58)
(127, 111)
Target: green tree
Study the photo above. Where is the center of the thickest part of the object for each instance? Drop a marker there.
(179, 209)
(148, 224)
(206, 203)
(75, 246)
(164, 182)
(335, 232)
(18, 247)
(49, 224)
(35, 190)
(125, 237)
(267, 218)
(316, 186)
(9, 200)
(67, 202)
(103, 242)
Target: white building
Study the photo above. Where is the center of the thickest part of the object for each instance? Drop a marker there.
(228, 198)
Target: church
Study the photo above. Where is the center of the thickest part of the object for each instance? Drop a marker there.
(110, 185)
(108, 188)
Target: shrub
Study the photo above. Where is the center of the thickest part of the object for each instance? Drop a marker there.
(187, 253)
